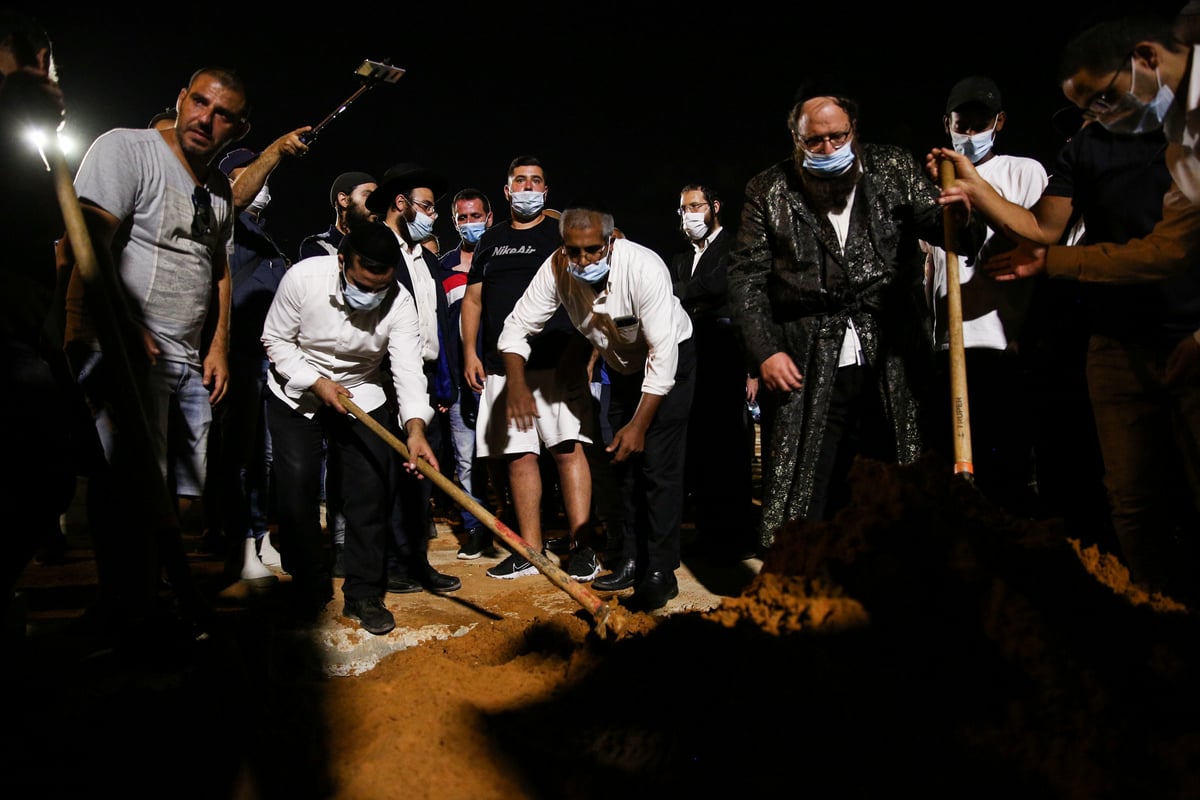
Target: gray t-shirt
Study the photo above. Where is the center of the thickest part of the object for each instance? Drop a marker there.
(167, 270)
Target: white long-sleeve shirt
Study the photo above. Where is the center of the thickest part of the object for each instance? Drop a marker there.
(639, 287)
(311, 333)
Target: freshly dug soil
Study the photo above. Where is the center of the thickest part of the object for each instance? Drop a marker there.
(921, 643)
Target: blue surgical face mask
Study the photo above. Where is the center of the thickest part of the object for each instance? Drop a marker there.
(528, 204)
(421, 226)
(1134, 115)
(471, 231)
(359, 300)
(592, 273)
(834, 163)
(975, 147)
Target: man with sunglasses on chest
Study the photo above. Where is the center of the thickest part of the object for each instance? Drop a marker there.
(160, 218)
(620, 296)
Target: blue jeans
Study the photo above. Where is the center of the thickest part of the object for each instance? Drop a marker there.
(179, 416)
(462, 440)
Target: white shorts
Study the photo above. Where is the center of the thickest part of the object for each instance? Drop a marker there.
(562, 416)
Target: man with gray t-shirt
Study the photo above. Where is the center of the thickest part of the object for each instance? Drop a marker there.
(160, 218)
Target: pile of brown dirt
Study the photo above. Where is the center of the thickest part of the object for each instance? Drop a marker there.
(920, 641)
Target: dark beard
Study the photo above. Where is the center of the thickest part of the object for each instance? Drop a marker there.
(355, 215)
(826, 195)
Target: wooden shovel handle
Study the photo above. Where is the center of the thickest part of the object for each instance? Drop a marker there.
(960, 411)
(599, 609)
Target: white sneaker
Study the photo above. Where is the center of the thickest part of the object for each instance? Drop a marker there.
(267, 552)
(253, 569)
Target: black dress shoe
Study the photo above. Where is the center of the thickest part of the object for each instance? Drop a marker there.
(371, 613)
(620, 578)
(654, 591)
(440, 583)
(400, 584)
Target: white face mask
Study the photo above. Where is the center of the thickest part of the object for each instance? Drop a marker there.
(974, 147)
(693, 225)
(259, 203)
(527, 204)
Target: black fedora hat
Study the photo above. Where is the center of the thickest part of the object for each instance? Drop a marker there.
(402, 179)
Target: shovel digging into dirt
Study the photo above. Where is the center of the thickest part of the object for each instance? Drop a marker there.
(609, 616)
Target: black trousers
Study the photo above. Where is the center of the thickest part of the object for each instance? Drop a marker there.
(651, 483)
(855, 425)
(367, 481)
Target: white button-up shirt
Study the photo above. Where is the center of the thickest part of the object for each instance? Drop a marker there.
(638, 293)
(311, 333)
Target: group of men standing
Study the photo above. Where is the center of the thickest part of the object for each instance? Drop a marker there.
(821, 310)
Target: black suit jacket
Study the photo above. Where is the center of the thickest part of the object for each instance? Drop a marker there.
(442, 390)
(704, 294)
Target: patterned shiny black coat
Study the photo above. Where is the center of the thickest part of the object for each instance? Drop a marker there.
(792, 288)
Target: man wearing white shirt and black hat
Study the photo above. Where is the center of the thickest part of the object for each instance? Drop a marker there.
(332, 323)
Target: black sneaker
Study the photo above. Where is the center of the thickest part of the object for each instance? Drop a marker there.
(479, 541)
(512, 567)
(583, 564)
(371, 613)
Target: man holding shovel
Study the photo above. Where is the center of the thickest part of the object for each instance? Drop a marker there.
(333, 321)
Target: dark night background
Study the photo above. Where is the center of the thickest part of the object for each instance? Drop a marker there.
(625, 102)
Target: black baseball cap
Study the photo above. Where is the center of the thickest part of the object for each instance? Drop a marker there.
(975, 89)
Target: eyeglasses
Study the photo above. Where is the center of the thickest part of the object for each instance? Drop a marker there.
(835, 139)
(202, 213)
(694, 208)
(590, 249)
(1107, 101)
(424, 205)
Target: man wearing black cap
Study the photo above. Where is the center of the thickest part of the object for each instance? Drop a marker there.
(825, 286)
(993, 313)
(405, 201)
(348, 197)
(332, 324)
(1116, 173)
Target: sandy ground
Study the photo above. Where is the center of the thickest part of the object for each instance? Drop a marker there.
(920, 643)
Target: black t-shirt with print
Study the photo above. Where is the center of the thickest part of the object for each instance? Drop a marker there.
(505, 262)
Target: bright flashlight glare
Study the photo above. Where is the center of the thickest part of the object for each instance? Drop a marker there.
(67, 143)
(37, 137)
(42, 140)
